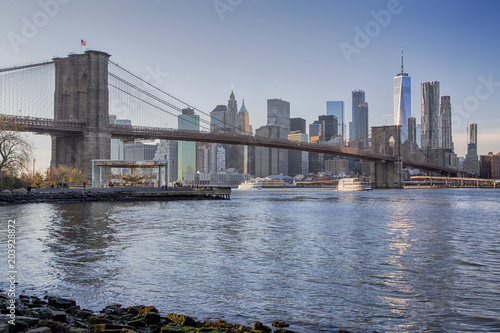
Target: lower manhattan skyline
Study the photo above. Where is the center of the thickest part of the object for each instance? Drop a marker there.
(306, 55)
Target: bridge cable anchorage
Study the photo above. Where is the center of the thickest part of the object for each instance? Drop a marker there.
(179, 100)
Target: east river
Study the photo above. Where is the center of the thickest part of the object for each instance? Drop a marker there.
(385, 260)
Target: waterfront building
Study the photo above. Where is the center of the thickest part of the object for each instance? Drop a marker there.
(271, 161)
(471, 163)
(336, 108)
(225, 178)
(298, 124)
(278, 113)
(298, 161)
(402, 101)
(187, 150)
(358, 128)
(337, 166)
(217, 118)
(431, 118)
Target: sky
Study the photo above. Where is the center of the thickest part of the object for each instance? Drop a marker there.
(305, 52)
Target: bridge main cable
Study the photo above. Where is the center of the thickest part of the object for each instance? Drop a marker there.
(10, 69)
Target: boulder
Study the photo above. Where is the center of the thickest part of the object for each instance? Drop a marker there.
(19, 191)
(182, 320)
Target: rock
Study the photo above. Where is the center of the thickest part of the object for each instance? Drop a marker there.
(19, 191)
(6, 191)
(54, 326)
(181, 319)
(59, 316)
(152, 318)
(98, 320)
(61, 303)
(43, 312)
(84, 314)
(40, 330)
(258, 326)
(73, 309)
(4, 327)
(279, 324)
(282, 330)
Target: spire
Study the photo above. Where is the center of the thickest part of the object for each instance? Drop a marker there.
(402, 72)
(243, 107)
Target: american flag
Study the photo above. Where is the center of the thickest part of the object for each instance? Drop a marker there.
(84, 43)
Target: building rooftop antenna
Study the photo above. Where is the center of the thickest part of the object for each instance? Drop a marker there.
(402, 72)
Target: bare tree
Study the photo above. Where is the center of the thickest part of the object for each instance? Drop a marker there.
(15, 152)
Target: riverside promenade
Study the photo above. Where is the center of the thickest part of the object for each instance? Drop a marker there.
(75, 195)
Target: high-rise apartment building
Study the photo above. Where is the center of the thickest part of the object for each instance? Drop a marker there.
(431, 118)
(471, 163)
(402, 101)
(187, 150)
(336, 108)
(447, 141)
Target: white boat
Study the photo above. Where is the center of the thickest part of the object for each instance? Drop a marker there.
(353, 184)
(250, 185)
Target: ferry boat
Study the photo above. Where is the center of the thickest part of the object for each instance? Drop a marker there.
(353, 184)
(250, 185)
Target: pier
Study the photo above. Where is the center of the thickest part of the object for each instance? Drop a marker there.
(450, 182)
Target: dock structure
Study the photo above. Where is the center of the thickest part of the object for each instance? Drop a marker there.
(451, 182)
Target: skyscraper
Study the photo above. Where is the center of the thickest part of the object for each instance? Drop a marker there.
(217, 118)
(278, 113)
(412, 130)
(336, 108)
(331, 126)
(187, 150)
(358, 128)
(471, 163)
(447, 141)
(231, 118)
(431, 119)
(402, 100)
(244, 120)
(298, 124)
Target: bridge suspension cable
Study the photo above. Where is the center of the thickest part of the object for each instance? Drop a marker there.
(135, 88)
(28, 90)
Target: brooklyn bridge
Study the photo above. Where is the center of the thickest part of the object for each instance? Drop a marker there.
(71, 100)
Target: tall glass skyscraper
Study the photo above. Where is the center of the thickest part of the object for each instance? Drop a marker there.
(187, 150)
(336, 108)
(358, 128)
(402, 101)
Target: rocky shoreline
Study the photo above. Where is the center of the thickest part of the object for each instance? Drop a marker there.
(53, 314)
(21, 196)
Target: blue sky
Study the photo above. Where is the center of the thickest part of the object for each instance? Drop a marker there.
(282, 49)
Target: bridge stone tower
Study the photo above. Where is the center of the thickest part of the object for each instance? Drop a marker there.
(386, 140)
(81, 94)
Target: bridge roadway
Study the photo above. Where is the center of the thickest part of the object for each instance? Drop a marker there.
(127, 132)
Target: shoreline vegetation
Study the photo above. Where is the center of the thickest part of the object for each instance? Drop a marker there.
(54, 314)
(22, 196)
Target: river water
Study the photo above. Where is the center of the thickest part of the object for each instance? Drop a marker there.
(384, 260)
